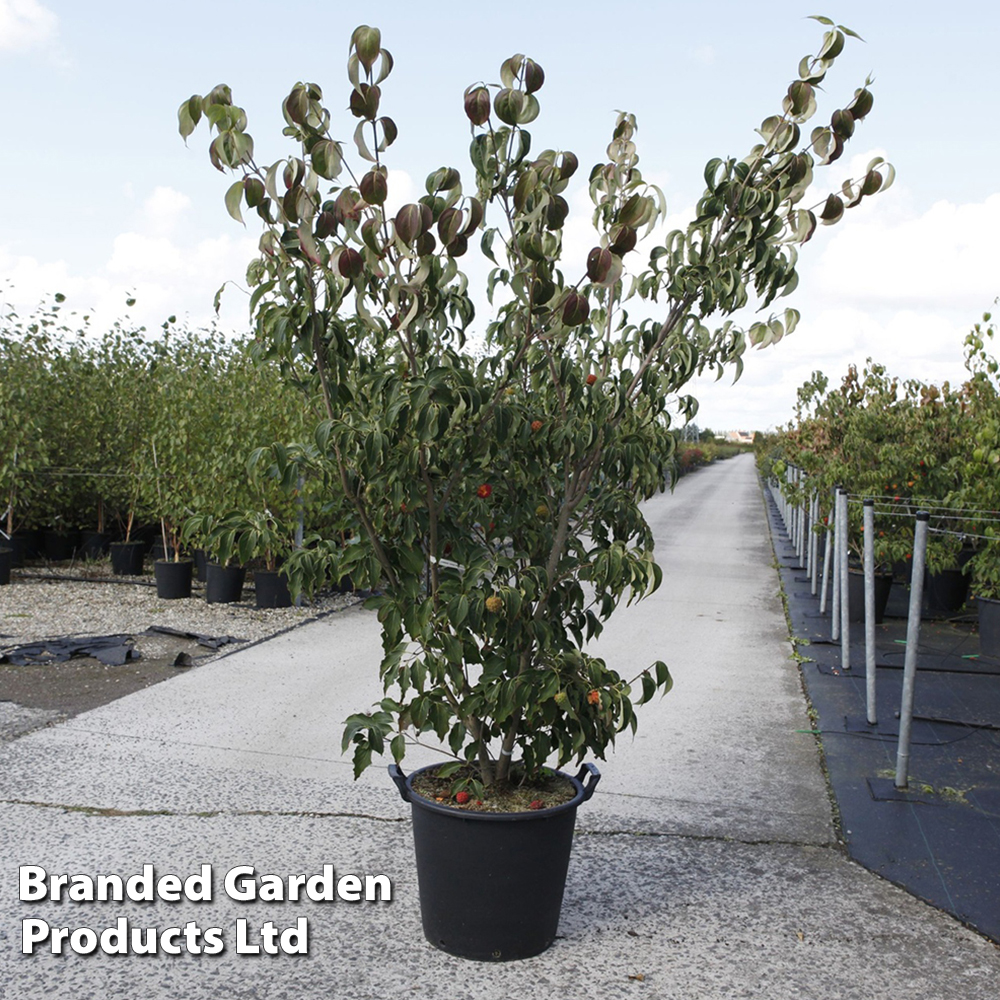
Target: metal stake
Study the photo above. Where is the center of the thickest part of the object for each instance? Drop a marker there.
(912, 642)
(835, 567)
(813, 544)
(845, 619)
(869, 512)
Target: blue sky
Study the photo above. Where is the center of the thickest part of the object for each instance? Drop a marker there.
(104, 200)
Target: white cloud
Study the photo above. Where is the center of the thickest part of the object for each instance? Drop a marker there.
(402, 191)
(166, 271)
(163, 209)
(26, 25)
(948, 256)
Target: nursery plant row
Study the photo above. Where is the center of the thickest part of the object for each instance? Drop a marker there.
(181, 437)
(908, 445)
(124, 435)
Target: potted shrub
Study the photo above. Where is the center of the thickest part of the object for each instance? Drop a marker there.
(496, 485)
(220, 537)
(246, 536)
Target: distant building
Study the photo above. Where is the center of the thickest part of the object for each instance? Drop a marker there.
(740, 437)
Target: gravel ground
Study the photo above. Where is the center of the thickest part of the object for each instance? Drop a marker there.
(40, 605)
(48, 603)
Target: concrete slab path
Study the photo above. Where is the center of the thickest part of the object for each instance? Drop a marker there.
(707, 864)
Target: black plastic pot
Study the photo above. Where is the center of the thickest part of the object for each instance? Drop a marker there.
(945, 593)
(200, 565)
(989, 627)
(491, 884)
(126, 558)
(93, 544)
(224, 584)
(6, 561)
(173, 579)
(856, 595)
(26, 544)
(58, 546)
(272, 589)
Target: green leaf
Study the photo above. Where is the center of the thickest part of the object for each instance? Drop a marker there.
(663, 678)
(234, 196)
(359, 141)
(833, 210)
(188, 115)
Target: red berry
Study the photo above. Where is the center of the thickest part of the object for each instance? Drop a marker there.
(484, 490)
(537, 804)
(591, 379)
(536, 426)
(462, 797)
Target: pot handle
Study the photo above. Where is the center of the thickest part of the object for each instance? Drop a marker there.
(595, 777)
(396, 773)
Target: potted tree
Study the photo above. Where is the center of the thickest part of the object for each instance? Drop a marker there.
(496, 483)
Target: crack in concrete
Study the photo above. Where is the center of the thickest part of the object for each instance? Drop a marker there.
(715, 838)
(111, 811)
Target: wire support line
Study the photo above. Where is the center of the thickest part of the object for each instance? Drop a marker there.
(921, 503)
(85, 472)
(963, 534)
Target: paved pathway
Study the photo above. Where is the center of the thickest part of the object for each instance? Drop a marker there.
(707, 865)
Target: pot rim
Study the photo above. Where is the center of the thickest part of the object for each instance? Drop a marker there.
(404, 783)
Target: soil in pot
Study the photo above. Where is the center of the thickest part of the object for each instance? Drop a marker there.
(856, 595)
(272, 589)
(173, 579)
(6, 561)
(552, 789)
(126, 558)
(519, 861)
(224, 584)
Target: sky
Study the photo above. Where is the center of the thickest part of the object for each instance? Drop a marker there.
(105, 203)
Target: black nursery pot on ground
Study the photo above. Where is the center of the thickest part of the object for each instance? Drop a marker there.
(59, 546)
(200, 565)
(271, 587)
(945, 592)
(126, 558)
(491, 884)
(6, 561)
(173, 578)
(224, 584)
(26, 544)
(93, 544)
(856, 595)
(989, 627)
